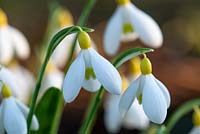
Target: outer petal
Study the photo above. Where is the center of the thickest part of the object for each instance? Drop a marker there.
(153, 101)
(112, 118)
(113, 33)
(61, 53)
(148, 30)
(14, 121)
(20, 43)
(91, 85)
(195, 130)
(164, 90)
(74, 79)
(129, 96)
(106, 73)
(25, 110)
(6, 48)
(1, 120)
(135, 117)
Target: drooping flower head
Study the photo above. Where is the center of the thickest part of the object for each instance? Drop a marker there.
(150, 92)
(60, 19)
(12, 41)
(129, 23)
(13, 114)
(196, 121)
(89, 71)
(134, 69)
(135, 117)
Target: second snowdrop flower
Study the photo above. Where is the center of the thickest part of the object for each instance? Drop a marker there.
(12, 41)
(129, 23)
(13, 114)
(150, 92)
(90, 70)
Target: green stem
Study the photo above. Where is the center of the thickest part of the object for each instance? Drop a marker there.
(180, 112)
(94, 105)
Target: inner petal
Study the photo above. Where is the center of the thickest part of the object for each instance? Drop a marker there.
(89, 73)
(127, 28)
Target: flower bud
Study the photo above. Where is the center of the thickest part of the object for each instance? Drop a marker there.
(196, 116)
(6, 92)
(122, 2)
(145, 66)
(84, 40)
(3, 18)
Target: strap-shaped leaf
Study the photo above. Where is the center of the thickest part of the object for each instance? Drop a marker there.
(47, 111)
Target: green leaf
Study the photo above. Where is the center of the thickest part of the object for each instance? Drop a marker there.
(49, 111)
(129, 54)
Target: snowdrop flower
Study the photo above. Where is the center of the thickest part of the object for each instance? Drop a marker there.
(12, 41)
(63, 19)
(135, 117)
(150, 92)
(13, 114)
(88, 71)
(22, 88)
(53, 78)
(196, 121)
(129, 23)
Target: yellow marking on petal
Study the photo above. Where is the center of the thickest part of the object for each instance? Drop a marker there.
(6, 92)
(89, 72)
(139, 97)
(145, 66)
(127, 28)
(65, 18)
(122, 2)
(3, 18)
(84, 40)
(134, 66)
(125, 82)
(50, 67)
(196, 116)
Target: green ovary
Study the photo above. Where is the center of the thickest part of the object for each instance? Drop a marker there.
(89, 72)
(139, 98)
(127, 28)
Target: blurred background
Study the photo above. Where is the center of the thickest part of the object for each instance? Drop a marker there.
(176, 64)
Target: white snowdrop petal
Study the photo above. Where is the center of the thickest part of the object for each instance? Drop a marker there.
(91, 85)
(153, 101)
(25, 110)
(106, 73)
(164, 90)
(112, 118)
(113, 32)
(129, 37)
(25, 82)
(135, 117)
(148, 30)
(14, 121)
(195, 130)
(61, 53)
(129, 96)
(20, 43)
(6, 47)
(9, 79)
(74, 79)
(1, 120)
